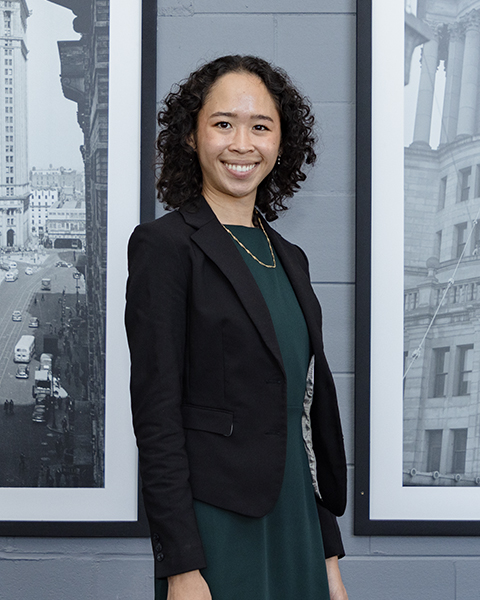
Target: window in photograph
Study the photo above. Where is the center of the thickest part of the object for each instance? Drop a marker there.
(440, 372)
(438, 244)
(477, 181)
(442, 193)
(434, 449)
(459, 450)
(461, 237)
(464, 369)
(476, 240)
(464, 182)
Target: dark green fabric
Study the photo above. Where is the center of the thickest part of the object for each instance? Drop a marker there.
(279, 556)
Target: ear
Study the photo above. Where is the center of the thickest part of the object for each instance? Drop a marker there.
(191, 141)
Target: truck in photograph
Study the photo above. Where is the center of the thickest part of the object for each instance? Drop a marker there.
(43, 385)
(24, 349)
(46, 384)
(46, 284)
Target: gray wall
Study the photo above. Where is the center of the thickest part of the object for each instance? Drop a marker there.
(315, 41)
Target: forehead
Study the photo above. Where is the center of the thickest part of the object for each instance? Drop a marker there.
(240, 90)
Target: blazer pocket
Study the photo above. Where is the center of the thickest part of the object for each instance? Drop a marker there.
(207, 419)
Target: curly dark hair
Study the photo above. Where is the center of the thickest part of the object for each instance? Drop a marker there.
(180, 176)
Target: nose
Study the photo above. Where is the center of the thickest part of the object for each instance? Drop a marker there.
(241, 141)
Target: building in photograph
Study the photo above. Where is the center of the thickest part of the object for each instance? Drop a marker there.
(40, 202)
(14, 188)
(59, 178)
(84, 76)
(65, 224)
(442, 257)
(54, 186)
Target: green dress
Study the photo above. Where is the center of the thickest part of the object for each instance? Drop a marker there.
(279, 556)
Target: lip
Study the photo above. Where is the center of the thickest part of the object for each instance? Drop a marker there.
(240, 170)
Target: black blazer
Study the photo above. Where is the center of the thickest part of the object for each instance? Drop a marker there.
(208, 385)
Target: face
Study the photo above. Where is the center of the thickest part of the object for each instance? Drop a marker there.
(238, 137)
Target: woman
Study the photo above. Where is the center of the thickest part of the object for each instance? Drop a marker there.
(222, 324)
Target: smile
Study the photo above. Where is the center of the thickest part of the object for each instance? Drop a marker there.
(240, 168)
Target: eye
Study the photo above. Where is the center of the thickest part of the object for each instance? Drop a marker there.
(222, 125)
(260, 128)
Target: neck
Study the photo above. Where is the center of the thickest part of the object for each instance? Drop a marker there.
(232, 211)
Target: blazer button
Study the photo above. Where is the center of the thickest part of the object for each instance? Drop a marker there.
(158, 547)
(156, 537)
(160, 556)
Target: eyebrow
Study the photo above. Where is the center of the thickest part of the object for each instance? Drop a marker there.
(233, 115)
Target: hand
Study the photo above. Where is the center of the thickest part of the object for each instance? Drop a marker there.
(188, 586)
(335, 583)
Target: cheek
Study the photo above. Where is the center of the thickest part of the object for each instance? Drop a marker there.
(210, 145)
(272, 150)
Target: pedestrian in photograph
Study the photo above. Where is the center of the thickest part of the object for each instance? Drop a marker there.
(59, 447)
(234, 406)
(58, 476)
(11, 407)
(6, 407)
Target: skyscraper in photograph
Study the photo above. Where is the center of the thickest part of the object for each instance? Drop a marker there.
(442, 255)
(14, 184)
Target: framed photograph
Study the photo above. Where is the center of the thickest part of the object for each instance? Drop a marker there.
(78, 114)
(418, 269)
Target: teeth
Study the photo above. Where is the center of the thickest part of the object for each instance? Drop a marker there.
(240, 168)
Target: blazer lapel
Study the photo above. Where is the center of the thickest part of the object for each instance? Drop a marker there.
(216, 243)
(301, 286)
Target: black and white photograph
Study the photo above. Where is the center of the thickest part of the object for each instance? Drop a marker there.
(53, 246)
(442, 244)
(418, 203)
(66, 444)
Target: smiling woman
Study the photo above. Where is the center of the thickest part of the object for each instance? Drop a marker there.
(240, 444)
(237, 141)
(180, 178)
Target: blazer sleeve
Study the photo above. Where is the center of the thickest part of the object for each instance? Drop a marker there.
(332, 538)
(156, 322)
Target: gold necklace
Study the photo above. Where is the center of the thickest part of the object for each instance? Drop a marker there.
(250, 253)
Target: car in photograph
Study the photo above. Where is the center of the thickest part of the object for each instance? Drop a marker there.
(22, 372)
(61, 263)
(12, 264)
(38, 415)
(11, 276)
(29, 271)
(46, 361)
(34, 323)
(16, 315)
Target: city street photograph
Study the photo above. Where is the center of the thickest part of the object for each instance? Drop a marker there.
(53, 240)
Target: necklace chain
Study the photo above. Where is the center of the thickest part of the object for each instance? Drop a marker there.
(272, 266)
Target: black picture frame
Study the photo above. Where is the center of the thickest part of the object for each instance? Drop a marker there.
(138, 527)
(364, 525)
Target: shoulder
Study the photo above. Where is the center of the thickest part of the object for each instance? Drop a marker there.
(160, 248)
(166, 234)
(168, 226)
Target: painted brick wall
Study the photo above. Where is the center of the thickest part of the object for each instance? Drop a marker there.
(314, 40)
